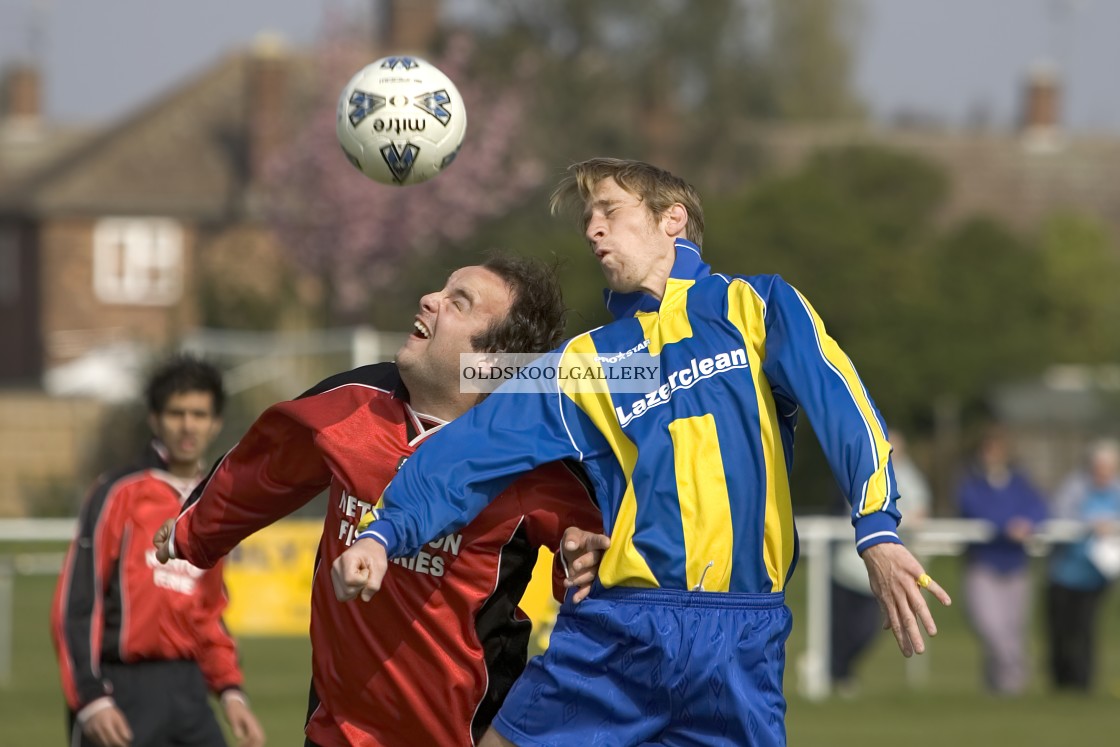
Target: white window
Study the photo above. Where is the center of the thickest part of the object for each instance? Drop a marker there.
(138, 261)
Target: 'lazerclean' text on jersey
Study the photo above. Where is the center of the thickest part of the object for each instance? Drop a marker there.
(705, 503)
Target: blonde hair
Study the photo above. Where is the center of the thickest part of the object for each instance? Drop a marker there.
(655, 187)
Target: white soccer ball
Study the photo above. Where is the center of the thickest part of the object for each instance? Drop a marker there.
(401, 120)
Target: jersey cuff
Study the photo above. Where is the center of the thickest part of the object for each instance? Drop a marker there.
(94, 706)
(172, 555)
(381, 531)
(874, 529)
(233, 693)
(563, 561)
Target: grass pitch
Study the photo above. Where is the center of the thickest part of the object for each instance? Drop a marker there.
(950, 709)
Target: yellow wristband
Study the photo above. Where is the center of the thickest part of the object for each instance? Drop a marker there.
(924, 580)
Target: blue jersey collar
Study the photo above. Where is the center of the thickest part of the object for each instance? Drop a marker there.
(687, 266)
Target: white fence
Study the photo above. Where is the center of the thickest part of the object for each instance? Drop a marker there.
(934, 537)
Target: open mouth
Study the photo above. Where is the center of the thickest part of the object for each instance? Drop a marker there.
(421, 330)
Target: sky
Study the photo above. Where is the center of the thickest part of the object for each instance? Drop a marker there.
(945, 59)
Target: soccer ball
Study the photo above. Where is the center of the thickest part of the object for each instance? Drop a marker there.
(400, 120)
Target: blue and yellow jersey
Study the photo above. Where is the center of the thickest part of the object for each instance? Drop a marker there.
(692, 474)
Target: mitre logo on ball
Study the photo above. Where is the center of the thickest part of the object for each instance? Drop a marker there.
(401, 120)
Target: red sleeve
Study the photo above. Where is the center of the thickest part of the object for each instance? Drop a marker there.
(76, 614)
(217, 653)
(554, 497)
(275, 469)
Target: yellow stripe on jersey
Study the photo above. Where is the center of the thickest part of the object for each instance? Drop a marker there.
(876, 490)
(622, 564)
(747, 312)
(705, 505)
(671, 324)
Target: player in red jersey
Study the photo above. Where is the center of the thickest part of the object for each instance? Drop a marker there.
(431, 659)
(139, 644)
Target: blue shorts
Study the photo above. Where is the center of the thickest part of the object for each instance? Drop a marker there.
(629, 667)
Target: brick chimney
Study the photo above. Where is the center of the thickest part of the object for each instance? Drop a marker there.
(266, 99)
(406, 26)
(21, 92)
(1040, 124)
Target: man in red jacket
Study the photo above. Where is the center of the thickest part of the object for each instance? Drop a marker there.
(140, 643)
(429, 661)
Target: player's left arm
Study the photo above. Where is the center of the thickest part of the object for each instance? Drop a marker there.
(806, 366)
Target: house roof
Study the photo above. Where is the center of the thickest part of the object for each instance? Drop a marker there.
(28, 146)
(185, 155)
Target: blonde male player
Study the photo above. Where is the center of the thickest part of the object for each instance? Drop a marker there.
(684, 643)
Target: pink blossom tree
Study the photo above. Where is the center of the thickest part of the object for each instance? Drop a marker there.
(355, 234)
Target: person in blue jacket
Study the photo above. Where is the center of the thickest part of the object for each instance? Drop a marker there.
(1081, 572)
(997, 580)
(682, 640)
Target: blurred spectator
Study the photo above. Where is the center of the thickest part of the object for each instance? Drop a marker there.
(139, 644)
(997, 578)
(1081, 572)
(856, 617)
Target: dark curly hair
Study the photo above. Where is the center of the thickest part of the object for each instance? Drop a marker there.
(535, 323)
(184, 373)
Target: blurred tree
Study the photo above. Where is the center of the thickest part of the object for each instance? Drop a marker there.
(847, 230)
(672, 82)
(978, 314)
(1082, 277)
(260, 300)
(355, 235)
(810, 55)
(662, 80)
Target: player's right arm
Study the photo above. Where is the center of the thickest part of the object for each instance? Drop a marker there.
(77, 611)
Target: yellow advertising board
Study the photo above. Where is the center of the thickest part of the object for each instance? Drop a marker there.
(269, 580)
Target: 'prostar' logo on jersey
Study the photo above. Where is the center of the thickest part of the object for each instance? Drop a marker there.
(684, 378)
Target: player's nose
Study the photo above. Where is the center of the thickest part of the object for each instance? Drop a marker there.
(596, 229)
(430, 302)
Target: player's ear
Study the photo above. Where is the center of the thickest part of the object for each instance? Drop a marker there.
(674, 220)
